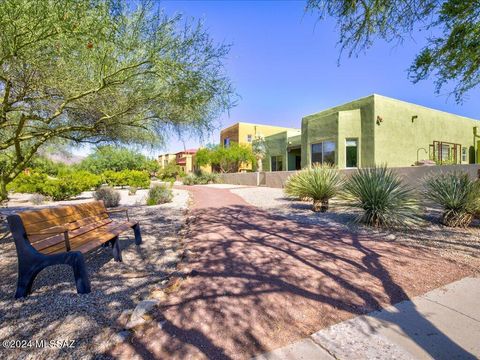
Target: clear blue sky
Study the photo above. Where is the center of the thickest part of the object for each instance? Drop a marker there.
(283, 64)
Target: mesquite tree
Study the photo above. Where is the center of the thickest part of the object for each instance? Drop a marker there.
(98, 71)
(452, 51)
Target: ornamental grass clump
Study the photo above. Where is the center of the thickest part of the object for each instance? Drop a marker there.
(382, 197)
(457, 194)
(159, 194)
(319, 183)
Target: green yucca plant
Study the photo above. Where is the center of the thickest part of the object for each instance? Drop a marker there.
(319, 183)
(457, 194)
(384, 199)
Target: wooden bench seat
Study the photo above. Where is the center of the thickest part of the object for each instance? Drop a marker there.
(61, 235)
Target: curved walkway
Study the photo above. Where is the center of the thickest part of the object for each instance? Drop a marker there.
(261, 281)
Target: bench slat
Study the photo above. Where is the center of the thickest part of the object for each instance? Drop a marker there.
(96, 236)
(39, 220)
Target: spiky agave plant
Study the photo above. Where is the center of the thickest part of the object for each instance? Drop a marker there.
(319, 183)
(382, 196)
(457, 194)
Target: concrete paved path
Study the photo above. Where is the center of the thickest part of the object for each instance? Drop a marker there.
(442, 324)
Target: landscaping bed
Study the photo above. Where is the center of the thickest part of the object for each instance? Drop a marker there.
(54, 311)
(462, 244)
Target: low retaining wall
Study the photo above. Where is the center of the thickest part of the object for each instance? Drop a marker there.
(249, 179)
(413, 175)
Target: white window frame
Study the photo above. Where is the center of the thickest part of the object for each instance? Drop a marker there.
(358, 146)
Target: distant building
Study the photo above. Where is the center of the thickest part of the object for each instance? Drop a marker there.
(245, 133)
(185, 159)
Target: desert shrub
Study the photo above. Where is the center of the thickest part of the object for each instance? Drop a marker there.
(170, 171)
(110, 196)
(132, 190)
(319, 183)
(189, 180)
(457, 194)
(60, 189)
(159, 194)
(28, 183)
(209, 178)
(382, 196)
(82, 179)
(135, 178)
(38, 199)
(138, 179)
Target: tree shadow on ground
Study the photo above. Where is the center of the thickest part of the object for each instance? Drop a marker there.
(261, 281)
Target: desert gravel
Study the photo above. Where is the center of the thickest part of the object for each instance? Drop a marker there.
(457, 243)
(54, 311)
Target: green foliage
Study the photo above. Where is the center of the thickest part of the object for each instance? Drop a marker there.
(385, 201)
(117, 159)
(102, 71)
(159, 194)
(28, 183)
(457, 194)
(171, 171)
(451, 54)
(109, 196)
(61, 188)
(132, 190)
(319, 183)
(44, 165)
(227, 159)
(138, 179)
(200, 179)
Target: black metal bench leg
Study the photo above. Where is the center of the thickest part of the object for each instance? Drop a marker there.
(138, 235)
(28, 271)
(116, 250)
(77, 261)
(25, 282)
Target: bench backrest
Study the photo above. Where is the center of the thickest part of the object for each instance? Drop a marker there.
(79, 216)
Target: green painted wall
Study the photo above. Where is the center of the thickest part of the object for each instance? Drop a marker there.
(278, 144)
(393, 141)
(407, 128)
(351, 120)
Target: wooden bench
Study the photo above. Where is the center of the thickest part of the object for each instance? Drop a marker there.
(61, 235)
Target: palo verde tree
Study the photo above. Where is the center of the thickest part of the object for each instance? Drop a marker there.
(99, 71)
(225, 158)
(452, 53)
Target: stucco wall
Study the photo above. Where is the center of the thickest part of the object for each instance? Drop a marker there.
(407, 127)
(249, 179)
(412, 175)
(352, 120)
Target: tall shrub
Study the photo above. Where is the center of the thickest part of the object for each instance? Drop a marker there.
(320, 183)
(382, 197)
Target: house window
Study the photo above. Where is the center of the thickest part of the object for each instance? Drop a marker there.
(351, 151)
(445, 152)
(249, 138)
(464, 154)
(226, 142)
(277, 163)
(323, 152)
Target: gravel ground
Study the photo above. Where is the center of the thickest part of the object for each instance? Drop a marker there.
(55, 311)
(457, 243)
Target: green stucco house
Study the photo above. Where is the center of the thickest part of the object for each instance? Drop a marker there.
(375, 130)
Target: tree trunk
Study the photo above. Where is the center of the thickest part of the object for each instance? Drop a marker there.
(3, 189)
(320, 205)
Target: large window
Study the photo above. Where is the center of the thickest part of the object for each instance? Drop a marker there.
(464, 154)
(226, 142)
(351, 151)
(323, 152)
(277, 163)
